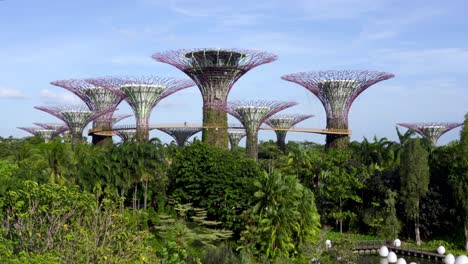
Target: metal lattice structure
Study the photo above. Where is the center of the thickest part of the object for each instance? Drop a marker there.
(117, 118)
(142, 94)
(235, 136)
(431, 131)
(126, 135)
(281, 123)
(97, 99)
(180, 134)
(337, 91)
(75, 117)
(252, 113)
(215, 71)
(46, 134)
(55, 126)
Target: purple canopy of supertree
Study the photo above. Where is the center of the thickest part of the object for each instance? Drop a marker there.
(59, 127)
(46, 134)
(431, 130)
(142, 94)
(337, 91)
(252, 113)
(235, 136)
(180, 134)
(75, 117)
(126, 135)
(281, 123)
(214, 71)
(97, 99)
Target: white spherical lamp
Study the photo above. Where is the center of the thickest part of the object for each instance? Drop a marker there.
(383, 261)
(401, 261)
(392, 257)
(462, 259)
(397, 243)
(449, 259)
(328, 243)
(441, 250)
(383, 252)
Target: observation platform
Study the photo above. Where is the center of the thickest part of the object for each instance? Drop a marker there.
(230, 126)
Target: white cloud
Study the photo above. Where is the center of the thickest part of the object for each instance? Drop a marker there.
(336, 9)
(10, 93)
(391, 26)
(58, 98)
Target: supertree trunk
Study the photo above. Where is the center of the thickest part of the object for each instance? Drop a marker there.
(337, 140)
(215, 133)
(142, 129)
(252, 144)
(281, 139)
(76, 138)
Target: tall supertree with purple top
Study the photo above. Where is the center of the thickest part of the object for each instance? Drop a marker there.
(97, 99)
(281, 123)
(46, 134)
(142, 94)
(235, 136)
(432, 130)
(75, 117)
(337, 91)
(215, 71)
(180, 134)
(252, 113)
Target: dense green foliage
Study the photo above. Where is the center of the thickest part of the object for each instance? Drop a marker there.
(459, 178)
(414, 173)
(215, 179)
(156, 203)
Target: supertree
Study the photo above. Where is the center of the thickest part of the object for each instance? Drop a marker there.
(180, 134)
(431, 131)
(126, 135)
(142, 94)
(252, 113)
(337, 91)
(75, 117)
(46, 134)
(97, 99)
(281, 123)
(55, 126)
(214, 71)
(235, 136)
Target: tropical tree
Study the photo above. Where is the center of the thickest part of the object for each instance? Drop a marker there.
(414, 174)
(283, 216)
(340, 188)
(459, 178)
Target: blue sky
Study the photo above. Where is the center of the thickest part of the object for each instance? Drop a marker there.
(424, 43)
